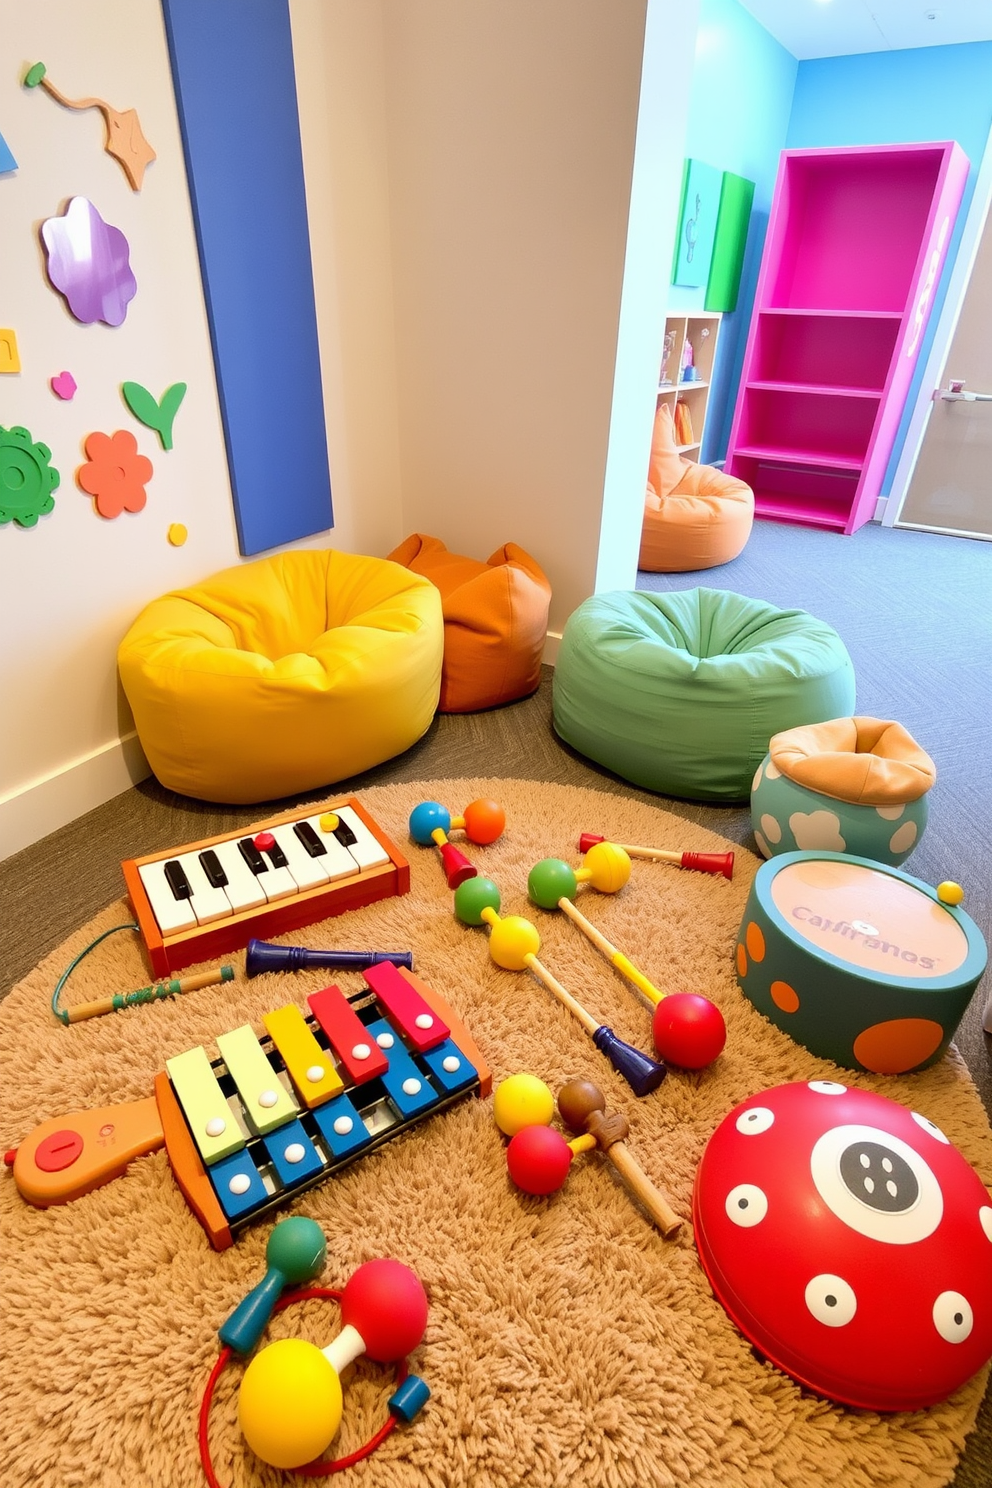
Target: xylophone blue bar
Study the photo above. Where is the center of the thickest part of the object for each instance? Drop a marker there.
(272, 1164)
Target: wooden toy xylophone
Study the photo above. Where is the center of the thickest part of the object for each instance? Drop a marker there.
(204, 900)
(273, 1116)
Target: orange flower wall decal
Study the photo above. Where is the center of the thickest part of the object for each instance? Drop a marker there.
(115, 474)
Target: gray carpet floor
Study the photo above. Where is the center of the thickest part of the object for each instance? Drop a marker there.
(914, 611)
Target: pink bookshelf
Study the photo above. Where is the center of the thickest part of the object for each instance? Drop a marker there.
(856, 241)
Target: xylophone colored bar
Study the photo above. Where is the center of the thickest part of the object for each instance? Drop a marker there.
(206, 899)
(274, 1115)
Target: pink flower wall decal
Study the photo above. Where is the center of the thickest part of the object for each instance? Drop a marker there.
(115, 474)
(89, 262)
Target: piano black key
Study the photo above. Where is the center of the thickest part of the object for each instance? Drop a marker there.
(252, 856)
(212, 867)
(344, 834)
(308, 837)
(177, 880)
(276, 856)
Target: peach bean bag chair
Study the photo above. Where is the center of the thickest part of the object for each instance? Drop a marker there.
(282, 675)
(495, 621)
(695, 516)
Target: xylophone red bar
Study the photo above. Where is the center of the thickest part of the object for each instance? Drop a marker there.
(348, 1035)
(420, 1023)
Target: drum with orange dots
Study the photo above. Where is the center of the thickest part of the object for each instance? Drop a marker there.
(857, 961)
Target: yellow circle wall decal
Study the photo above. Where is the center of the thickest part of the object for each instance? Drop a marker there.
(177, 534)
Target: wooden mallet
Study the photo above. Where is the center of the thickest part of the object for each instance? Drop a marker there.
(722, 863)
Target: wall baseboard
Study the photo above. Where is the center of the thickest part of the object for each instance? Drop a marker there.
(52, 801)
(551, 643)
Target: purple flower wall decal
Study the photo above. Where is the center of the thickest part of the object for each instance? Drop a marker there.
(88, 262)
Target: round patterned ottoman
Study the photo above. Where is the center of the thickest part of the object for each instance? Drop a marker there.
(681, 692)
(854, 785)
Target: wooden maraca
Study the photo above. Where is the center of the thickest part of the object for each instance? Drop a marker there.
(539, 1157)
(688, 1029)
(290, 1403)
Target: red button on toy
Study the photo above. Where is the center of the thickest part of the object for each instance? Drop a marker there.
(264, 841)
(58, 1151)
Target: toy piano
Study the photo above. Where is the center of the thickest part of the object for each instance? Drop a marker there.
(273, 1116)
(201, 901)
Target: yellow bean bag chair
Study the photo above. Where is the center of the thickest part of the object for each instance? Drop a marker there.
(283, 675)
(495, 621)
(695, 516)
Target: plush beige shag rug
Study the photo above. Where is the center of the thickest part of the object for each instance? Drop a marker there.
(568, 1343)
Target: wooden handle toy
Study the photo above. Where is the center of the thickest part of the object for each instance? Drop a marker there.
(582, 1107)
(514, 943)
(171, 988)
(721, 863)
(539, 1158)
(688, 1030)
(296, 1253)
(290, 1403)
(482, 821)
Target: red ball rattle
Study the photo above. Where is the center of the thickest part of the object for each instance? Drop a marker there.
(290, 1403)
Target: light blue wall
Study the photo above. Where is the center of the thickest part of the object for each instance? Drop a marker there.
(878, 98)
(739, 108)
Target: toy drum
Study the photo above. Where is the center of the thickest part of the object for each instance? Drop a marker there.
(850, 785)
(857, 961)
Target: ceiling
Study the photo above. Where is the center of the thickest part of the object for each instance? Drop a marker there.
(837, 28)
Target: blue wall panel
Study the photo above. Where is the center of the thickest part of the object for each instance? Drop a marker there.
(232, 65)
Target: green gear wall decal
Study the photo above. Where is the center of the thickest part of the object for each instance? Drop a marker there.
(27, 480)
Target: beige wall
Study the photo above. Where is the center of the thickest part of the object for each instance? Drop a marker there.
(470, 167)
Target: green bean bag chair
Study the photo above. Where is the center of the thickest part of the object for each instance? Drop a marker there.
(681, 692)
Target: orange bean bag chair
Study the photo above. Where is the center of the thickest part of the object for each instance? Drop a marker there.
(495, 621)
(695, 516)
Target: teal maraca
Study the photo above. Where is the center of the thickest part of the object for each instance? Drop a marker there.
(296, 1253)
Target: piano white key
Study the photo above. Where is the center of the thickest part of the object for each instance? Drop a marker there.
(208, 903)
(172, 914)
(275, 883)
(242, 888)
(337, 860)
(307, 872)
(367, 852)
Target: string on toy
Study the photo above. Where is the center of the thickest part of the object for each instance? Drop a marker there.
(311, 1469)
(60, 1013)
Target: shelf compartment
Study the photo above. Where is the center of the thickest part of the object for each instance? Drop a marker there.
(805, 426)
(855, 224)
(853, 351)
(790, 491)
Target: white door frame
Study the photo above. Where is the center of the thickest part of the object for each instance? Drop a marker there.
(950, 313)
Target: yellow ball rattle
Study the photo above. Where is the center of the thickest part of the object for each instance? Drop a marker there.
(290, 1403)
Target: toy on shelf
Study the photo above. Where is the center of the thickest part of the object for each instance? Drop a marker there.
(688, 1029)
(721, 863)
(209, 898)
(539, 1157)
(482, 822)
(125, 140)
(295, 1253)
(514, 944)
(295, 1106)
(290, 1403)
(261, 957)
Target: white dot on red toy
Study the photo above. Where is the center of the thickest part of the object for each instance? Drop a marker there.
(360, 1051)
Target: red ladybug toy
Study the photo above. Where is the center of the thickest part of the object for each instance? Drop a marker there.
(850, 1243)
